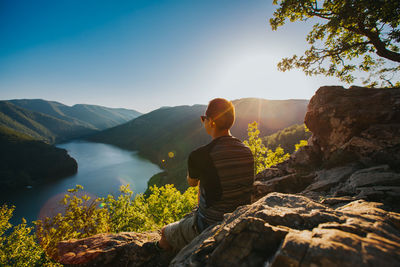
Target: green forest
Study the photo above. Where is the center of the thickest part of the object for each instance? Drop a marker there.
(287, 138)
(25, 161)
(23, 245)
(54, 122)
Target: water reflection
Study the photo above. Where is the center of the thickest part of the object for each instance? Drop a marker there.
(102, 169)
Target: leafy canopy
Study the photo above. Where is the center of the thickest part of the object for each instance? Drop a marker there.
(349, 36)
(18, 245)
(263, 157)
(84, 217)
(287, 138)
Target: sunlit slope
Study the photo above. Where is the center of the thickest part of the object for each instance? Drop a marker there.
(38, 125)
(287, 138)
(54, 122)
(272, 115)
(176, 129)
(179, 130)
(90, 116)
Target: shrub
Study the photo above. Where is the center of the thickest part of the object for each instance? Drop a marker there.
(18, 246)
(84, 217)
(263, 157)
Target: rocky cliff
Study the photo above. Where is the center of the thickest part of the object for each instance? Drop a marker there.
(354, 151)
(333, 203)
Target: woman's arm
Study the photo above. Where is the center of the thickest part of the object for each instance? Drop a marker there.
(192, 181)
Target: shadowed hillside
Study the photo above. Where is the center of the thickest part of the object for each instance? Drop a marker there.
(92, 116)
(24, 161)
(54, 122)
(39, 125)
(272, 115)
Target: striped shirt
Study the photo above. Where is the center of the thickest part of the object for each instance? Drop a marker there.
(225, 168)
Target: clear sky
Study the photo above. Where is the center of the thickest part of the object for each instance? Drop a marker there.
(147, 54)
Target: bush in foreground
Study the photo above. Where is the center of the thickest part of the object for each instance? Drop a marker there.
(84, 217)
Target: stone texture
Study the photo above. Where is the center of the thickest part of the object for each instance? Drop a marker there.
(326, 179)
(292, 183)
(370, 117)
(336, 114)
(122, 249)
(292, 230)
(270, 173)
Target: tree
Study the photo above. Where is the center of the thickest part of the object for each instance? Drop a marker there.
(349, 35)
(18, 245)
(84, 217)
(256, 146)
(263, 157)
(287, 138)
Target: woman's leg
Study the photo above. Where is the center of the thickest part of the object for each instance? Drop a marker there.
(163, 243)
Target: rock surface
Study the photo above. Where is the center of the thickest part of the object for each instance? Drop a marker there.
(122, 249)
(364, 118)
(335, 202)
(354, 149)
(291, 230)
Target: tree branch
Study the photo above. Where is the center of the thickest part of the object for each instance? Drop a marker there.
(380, 46)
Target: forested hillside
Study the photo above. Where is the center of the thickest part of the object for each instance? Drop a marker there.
(93, 116)
(271, 115)
(287, 138)
(54, 122)
(179, 130)
(24, 161)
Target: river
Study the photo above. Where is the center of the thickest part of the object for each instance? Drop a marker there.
(102, 169)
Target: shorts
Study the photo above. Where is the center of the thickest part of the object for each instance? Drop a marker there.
(181, 233)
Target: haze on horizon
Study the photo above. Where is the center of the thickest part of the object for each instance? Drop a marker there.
(146, 54)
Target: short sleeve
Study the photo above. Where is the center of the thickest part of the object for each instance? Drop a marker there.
(193, 166)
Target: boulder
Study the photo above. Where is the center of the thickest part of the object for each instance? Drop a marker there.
(122, 249)
(291, 230)
(292, 183)
(379, 183)
(326, 179)
(358, 120)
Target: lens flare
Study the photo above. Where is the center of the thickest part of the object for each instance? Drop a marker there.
(171, 154)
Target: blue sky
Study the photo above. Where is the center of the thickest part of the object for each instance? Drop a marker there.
(147, 54)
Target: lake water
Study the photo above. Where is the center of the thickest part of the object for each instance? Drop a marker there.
(102, 169)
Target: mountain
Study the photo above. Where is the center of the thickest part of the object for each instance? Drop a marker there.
(179, 130)
(55, 122)
(94, 116)
(25, 161)
(39, 125)
(272, 115)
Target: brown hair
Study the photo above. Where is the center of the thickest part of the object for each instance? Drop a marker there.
(222, 111)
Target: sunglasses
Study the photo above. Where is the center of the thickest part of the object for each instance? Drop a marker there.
(203, 118)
